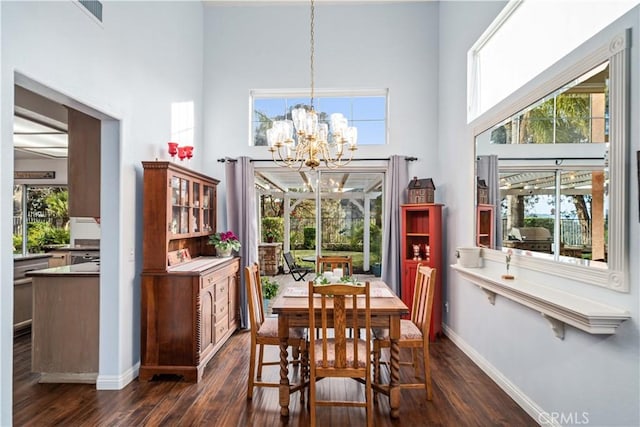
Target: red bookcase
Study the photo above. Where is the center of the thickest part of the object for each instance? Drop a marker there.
(422, 226)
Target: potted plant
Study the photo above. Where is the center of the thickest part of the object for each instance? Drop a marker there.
(269, 291)
(271, 229)
(225, 242)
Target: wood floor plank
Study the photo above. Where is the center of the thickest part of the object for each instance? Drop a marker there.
(462, 396)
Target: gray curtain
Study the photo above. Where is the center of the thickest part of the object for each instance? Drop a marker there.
(241, 219)
(395, 195)
(487, 169)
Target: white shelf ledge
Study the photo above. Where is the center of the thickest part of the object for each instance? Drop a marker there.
(558, 307)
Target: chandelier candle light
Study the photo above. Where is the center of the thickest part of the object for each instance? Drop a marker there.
(313, 143)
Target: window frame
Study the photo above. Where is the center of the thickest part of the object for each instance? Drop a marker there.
(614, 47)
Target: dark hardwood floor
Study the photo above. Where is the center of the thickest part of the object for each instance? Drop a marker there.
(463, 396)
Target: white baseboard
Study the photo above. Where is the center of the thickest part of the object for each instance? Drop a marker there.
(117, 382)
(529, 406)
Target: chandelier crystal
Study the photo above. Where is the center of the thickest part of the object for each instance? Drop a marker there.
(303, 141)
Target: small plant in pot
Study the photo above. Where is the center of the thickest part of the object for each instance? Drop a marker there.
(269, 291)
(272, 229)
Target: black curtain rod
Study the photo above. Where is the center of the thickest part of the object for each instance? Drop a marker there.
(548, 158)
(409, 159)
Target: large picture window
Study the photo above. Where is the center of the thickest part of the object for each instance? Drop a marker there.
(365, 111)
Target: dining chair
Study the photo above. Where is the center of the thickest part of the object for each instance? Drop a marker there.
(298, 273)
(328, 263)
(264, 331)
(333, 354)
(414, 333)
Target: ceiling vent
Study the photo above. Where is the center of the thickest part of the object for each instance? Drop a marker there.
(94, 7)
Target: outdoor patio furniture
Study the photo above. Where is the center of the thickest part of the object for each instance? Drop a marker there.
(297, 272)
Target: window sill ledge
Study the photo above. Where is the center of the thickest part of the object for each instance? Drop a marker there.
(558, 307)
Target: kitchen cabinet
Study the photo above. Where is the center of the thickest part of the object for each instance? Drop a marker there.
(83, 164)
(421, 243)
(189, 303)
(23, 290)
(65, 333)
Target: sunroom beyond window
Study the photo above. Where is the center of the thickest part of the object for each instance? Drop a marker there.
(366, 112)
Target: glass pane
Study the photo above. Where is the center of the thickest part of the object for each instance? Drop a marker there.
(47, 218)
(196, 208)
(577, 113)
(369, 108)
(359, 111)
(584, 219)
(528, 210)
(350, 212)
(371, 132)
(207, 214)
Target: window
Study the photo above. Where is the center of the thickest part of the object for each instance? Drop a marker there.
(45, 210)
(576, 113)
(609, 160)
(366, 111)
(514, 49)
(560, 211)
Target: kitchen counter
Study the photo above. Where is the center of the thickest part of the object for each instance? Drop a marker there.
(65, 327)
(84, 269)
(20, 257)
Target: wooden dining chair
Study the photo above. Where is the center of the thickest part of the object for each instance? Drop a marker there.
(264, 331)
(333, 354)
(328, 263)
(414, 333)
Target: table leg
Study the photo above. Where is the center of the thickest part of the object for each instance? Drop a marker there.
(283, 333)
(394, 368)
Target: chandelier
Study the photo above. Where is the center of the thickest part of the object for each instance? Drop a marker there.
(303, 141)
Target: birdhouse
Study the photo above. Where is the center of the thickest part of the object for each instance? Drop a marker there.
(421, 190)
(483, 192)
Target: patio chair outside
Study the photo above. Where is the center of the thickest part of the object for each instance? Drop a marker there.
(298, 273)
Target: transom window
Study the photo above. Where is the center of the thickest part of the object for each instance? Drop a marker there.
(366, 111)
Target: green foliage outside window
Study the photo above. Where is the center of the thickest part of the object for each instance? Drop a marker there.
(272, 229)
(309, 238)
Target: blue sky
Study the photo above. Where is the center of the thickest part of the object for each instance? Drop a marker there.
(367, 113)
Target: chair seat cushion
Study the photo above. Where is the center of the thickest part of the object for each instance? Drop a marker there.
(408, 331)
(363, 353)
(269, 328)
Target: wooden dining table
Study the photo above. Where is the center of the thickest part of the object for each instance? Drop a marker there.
(292, 308)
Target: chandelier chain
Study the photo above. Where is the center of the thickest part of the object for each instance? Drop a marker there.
(304, 140)
(312, 42)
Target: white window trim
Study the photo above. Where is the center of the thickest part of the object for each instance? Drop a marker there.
(591, 54)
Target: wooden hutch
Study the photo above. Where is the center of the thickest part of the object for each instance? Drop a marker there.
(189, 298)
(421, 241)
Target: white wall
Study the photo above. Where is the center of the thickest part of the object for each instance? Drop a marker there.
(584, 375)
(357, 46)
(144, 57)
(59, 166)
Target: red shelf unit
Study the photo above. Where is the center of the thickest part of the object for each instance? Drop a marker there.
(422, 225)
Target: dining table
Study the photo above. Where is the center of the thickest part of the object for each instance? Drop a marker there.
(292, 308)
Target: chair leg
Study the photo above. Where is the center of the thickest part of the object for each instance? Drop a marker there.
(252, 367)
(260, 359)
(376, 368)
(427, 370)
(304, 360)
(369, 400)
(312, 402)
(295, 354)
(414, 361)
